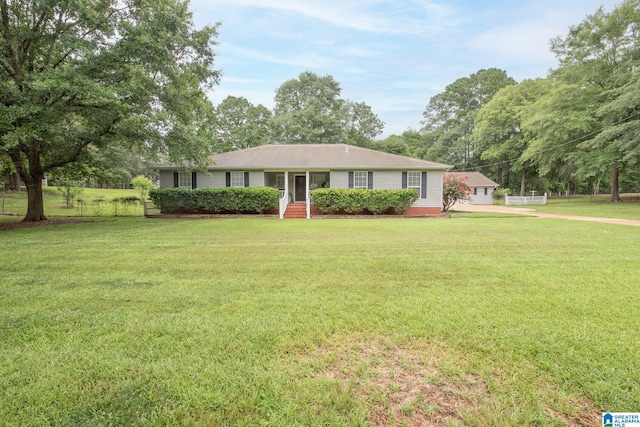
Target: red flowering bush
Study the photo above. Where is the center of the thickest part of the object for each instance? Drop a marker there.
(454, 188)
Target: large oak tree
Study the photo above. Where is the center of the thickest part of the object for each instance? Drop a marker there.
(449, 118)
(499, 135)
(600, 58)
(309, 110)
(79, 76)
(239, 124)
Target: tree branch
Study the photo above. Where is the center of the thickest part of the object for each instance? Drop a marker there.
(16, 73)
(77, 151)
(28, 40)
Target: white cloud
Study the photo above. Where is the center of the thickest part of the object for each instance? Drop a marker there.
(393, 55)
(369, 16)
(304, 60)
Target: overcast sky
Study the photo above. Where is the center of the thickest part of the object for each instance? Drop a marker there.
(394, 55)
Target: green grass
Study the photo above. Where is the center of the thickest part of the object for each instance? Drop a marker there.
(598, 206)
(96, 202)
(481, 321)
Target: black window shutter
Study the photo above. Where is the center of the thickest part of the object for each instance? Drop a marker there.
(486, 191)
(193, 180)
(423, 185)
(175, 180)
(475, 191)
(370, 180)
(404, 180)
(246, 179)
(228, 179)
(350, 179)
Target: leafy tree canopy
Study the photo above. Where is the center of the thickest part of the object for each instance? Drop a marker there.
(499, 136)
(448, 120)
(600, 57)
(86, 75)
(309, 110)
(240, 124)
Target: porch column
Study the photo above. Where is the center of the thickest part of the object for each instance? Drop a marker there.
(308, 199)
(286, 185)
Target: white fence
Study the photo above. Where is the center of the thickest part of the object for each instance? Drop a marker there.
(525, 200)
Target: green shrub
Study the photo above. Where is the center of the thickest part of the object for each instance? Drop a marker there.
(404, 199)
(169, 199)
(380, 201)
(143, 185)
(358, 200)
(69, 189)
(326, 200)
(216, 200)
(498, 193)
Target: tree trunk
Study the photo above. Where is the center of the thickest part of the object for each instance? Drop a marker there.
(32, 175)
(615, 189)
(16, 181)
(11, 181)
(523, 183)
(35, 207)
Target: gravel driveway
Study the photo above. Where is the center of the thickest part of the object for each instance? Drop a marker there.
(463, 207)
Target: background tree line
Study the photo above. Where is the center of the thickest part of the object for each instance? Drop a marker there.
(577, 130)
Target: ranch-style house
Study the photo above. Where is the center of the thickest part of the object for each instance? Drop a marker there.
(296, 170)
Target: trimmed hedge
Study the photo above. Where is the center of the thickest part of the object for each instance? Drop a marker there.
(216, 200)
(357, 200)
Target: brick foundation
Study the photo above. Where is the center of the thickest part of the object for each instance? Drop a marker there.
(423, 211)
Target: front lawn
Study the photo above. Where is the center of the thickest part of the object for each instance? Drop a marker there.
(481, 321)
(598, 206)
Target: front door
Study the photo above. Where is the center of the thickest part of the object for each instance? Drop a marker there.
(300, 191)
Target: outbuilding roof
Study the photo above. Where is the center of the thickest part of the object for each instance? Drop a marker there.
(314, 157)
(476, 179)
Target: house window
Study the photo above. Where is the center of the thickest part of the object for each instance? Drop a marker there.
(360, 179)
(475, 191)
(237, 179)
(414, 180)
(184, 180)
(280, 181)
(317, 179)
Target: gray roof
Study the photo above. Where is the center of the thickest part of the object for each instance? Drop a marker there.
(314, 157)
(476, 179)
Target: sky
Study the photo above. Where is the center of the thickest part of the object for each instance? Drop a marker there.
(393, 55)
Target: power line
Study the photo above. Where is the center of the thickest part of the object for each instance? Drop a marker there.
(584, 137)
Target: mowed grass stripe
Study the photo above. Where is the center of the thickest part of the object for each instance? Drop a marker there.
(244, 321)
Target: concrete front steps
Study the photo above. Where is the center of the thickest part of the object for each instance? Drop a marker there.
(296, 211)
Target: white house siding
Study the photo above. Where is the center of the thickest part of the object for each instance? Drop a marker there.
(480, 198)
(256, 179)
(209, 180)
(393, 180)
(339, 179)
(434, 192)
(387, 180)
(218, 179)
(166, 179)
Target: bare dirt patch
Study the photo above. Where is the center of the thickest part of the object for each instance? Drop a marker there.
(421, 383)
(583, 412)
(14, 225)
(409, 385)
